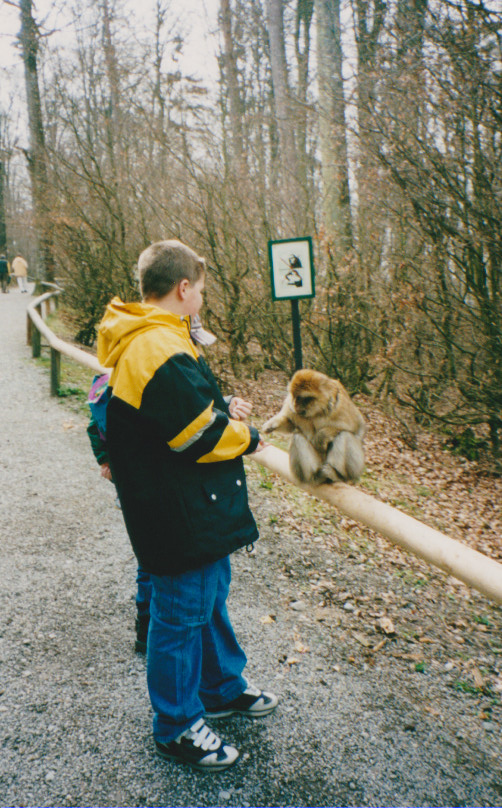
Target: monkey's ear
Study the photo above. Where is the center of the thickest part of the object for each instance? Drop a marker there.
(333, 399)
(331, 404)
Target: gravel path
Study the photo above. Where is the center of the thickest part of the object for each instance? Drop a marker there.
(75, 720)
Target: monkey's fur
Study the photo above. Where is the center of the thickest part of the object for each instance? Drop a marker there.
(327, 429)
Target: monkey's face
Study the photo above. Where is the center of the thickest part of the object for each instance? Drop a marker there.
(310, 394)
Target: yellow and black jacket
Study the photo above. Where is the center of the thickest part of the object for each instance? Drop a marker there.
(175, 453)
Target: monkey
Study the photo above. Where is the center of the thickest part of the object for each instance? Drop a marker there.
(327, 429)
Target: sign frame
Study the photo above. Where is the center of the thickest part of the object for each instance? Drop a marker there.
(309, 273)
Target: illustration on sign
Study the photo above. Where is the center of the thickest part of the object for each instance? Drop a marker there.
(293, 278)
(291, 268)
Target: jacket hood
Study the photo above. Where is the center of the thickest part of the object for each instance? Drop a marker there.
(123, 322)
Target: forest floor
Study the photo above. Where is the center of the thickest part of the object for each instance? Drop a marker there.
(389, 671)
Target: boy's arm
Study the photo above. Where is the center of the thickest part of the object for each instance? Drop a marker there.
(179, 399)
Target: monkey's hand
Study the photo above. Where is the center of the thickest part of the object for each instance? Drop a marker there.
(345, 458)
(322, 441)
(270, 425)
(277, 422)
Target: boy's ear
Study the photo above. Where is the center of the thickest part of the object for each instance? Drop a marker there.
(183, 287)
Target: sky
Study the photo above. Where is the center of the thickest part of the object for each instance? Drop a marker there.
(196, 17)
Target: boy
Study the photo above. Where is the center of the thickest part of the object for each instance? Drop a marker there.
(175, 454)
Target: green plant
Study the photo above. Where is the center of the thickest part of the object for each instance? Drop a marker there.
(65, 392)
(466, 444)
(422, 491)
(466, 687)
(266, 481)
(481, 618)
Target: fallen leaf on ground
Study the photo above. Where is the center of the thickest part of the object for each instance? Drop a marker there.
(386, 625)
(479, 679)
(431, 710)
(298, 605)
(362, 638)
(412, 657)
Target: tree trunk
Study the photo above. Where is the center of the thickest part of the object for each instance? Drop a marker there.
(3, 228)
(304, 14)
(369, 20)
(410, 23)
(291, 192)
(368, 25)
(37, 156)
(231, 77)
(335, 167)
(114, 125)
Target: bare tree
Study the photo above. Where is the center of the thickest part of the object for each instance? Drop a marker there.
(36, 155)
(286, 121)
(231, 77)
(333, 132)
(444, 158)
(3, 215)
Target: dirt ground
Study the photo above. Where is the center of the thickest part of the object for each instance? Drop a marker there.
(389, 672)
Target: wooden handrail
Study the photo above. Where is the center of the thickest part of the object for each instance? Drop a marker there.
(37, 327)
(456, 559)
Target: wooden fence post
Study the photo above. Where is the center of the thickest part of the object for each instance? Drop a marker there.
(55, 371)
(36, 341)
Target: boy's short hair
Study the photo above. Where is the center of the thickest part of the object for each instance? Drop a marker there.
(164, 264)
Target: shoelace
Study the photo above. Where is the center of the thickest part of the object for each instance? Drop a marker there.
(202, 736)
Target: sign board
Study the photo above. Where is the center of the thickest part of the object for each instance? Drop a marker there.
(291, 268)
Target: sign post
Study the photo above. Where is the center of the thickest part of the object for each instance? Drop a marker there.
(297, 334)
(292, 278)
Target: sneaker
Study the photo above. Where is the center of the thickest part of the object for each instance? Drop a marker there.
(253, 702)
(200, 748)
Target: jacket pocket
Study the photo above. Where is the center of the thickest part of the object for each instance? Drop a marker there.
(219, 506)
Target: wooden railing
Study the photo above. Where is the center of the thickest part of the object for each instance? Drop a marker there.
(450, 555)
(454, 557)
(38, 328)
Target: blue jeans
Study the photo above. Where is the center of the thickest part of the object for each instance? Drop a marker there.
(194, 659)
(143, 592)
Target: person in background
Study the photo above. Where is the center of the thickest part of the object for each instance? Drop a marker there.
(20, 270)
(4, 273)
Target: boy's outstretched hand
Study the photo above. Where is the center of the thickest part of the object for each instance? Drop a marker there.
(106, 471)
(261, 445)
(239, 409)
